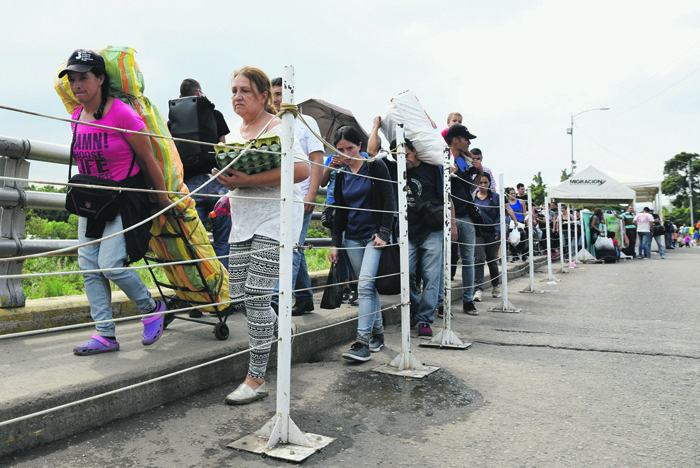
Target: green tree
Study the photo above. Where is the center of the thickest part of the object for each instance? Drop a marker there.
(564, 175)
(538, 189)
(677, 172)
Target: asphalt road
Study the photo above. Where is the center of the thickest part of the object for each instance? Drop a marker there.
(601, 370)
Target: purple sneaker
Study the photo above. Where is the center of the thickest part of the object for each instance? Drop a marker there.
(424, 330)
(153, 326)
(97, 344)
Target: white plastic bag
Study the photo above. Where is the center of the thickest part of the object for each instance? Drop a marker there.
(603, 243)
(514, 237)
(419, 127)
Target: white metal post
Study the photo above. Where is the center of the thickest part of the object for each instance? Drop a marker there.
(583, 238)
(405, 360)
(575, 240)
(281, 429)
(531, 240)
(530, 244)
(446, 337)
(284, 439)
(561, 240)
(572, 247)
(506, 306)
(550, 276)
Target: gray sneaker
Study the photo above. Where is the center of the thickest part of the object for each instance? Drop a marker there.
(358, 352)
(496, 292)
(376, 343)
(477, 295)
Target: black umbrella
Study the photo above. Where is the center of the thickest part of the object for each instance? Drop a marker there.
(330, 118)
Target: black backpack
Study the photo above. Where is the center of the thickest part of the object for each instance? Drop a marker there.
(192, 118)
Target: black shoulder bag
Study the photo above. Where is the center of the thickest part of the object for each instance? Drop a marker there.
(89, 202)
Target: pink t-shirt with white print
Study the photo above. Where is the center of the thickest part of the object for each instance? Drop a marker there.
(106, 153)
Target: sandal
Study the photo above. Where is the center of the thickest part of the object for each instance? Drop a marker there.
(97, 344)
(153, 326)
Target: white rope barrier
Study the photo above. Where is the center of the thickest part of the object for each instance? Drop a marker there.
(404, 361)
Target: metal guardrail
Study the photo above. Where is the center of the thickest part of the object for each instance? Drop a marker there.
(15, 157)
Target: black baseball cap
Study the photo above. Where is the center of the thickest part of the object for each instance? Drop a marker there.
(81, 61)
(458, 131)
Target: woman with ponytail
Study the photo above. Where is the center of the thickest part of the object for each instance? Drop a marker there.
(123, 157)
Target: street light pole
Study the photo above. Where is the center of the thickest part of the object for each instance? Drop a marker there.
(570, 131)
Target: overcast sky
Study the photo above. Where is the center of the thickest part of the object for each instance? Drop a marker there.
(516, 70)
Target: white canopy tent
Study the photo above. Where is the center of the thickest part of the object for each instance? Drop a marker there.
(648, 192)
(592, 187)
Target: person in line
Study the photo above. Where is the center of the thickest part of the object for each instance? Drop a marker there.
(129, 158)
(366, 232)
(630, 230)
(194, 117)
(487, 242)
(255, 231)
(459, 139)
(670, 230)
(658, 231)
(616, 244)
(454, 118)
(516, 204)
(567, 220)
(425, 243)
(644, 221)
(521, 191)
(313, 148)
(518, 207)
(596, 225)
(345, 273)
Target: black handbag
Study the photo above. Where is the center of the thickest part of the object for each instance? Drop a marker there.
(389, 264)
(327, 216)
(93, 203)
(333, 292)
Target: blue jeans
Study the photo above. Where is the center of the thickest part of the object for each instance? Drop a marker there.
(660, 244)
(365, 262)
(430, 252)
(644, 244)
(221, 225)
(467, 235)
(669, 240)
(300, 273)
(110, 253)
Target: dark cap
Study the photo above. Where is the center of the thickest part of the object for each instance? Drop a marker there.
(81, 61)
(458, 131)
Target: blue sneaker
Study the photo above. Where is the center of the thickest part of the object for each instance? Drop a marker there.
(358, 352)
(376, 343)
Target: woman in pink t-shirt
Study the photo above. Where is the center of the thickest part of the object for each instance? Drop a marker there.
(117, 156)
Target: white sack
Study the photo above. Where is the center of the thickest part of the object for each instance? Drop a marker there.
(418, 127)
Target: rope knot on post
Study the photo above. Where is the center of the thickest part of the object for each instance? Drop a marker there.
(286, 108)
